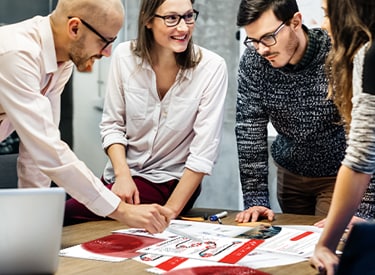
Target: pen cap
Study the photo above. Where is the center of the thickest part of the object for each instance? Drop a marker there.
(213, 218)
(218, 216)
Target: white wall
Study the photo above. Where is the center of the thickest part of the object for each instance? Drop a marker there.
(312, 12)
(87, 144)
(88, 93)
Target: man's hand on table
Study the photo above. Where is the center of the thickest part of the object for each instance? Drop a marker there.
(252, 214)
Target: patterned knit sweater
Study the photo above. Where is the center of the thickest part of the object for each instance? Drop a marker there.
(309, 142)
(360, 154)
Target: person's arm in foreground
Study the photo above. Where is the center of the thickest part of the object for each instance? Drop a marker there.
(349, 189)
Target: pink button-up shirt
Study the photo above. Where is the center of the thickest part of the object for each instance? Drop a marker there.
(31, 83)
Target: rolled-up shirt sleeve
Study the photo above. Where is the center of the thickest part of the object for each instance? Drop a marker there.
(208, 124)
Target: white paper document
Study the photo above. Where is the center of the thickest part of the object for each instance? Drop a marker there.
(194, 228)
(285, 240)
(211, 248)
(213, 244)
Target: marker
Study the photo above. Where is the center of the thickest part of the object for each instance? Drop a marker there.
(218, 216)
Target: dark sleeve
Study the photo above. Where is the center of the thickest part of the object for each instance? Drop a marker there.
(251, 133)
(366, 209)
(369, 71)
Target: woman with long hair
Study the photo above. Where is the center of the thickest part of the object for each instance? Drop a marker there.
(352, 87)
(163, 111)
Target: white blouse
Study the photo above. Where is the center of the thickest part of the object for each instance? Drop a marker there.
(164, 137)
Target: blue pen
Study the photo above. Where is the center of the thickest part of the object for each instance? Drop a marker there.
(218, 216)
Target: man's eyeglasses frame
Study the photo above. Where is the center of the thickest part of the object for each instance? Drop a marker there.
(253, 43)
(91, 28)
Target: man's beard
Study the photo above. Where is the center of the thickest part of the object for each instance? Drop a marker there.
(83, 62)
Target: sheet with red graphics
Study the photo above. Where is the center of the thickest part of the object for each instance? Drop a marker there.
(123, 244)
(274, 239)
(216, 245)
(290, 240)
(210, 248)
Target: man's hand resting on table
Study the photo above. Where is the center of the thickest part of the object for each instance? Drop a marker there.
(252, 214)
(152, 217)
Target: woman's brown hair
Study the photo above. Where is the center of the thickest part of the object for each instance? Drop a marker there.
(143, 45)
(349, 33)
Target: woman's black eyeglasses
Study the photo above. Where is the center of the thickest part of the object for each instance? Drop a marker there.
(172, 20)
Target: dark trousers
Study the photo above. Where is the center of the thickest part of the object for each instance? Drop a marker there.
(149, 192)
(304, 195)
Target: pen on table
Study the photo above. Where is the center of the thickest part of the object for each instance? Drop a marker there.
(183, 234)
(218, 216)
(196, 218)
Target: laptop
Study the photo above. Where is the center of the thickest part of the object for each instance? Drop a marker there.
(31, 222)
(358, 256)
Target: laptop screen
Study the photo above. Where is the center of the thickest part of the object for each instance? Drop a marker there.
(30, 230)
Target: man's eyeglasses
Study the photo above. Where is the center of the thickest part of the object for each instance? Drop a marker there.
(267, 39)
(91, 28)
(172, 20)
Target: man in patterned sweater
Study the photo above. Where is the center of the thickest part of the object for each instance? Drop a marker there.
(282, 79)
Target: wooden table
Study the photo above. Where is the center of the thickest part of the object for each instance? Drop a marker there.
(79, 233)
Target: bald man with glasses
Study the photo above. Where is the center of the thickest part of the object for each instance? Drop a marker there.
(35, 66)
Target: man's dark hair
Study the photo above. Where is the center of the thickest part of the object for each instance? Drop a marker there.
(250, 10)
